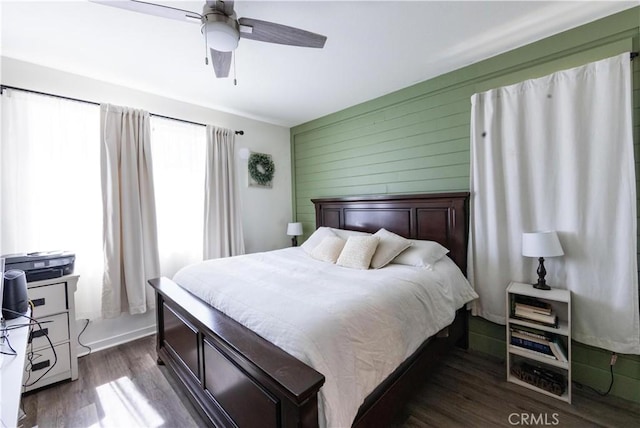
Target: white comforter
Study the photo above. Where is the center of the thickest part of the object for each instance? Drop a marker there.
(353, 326)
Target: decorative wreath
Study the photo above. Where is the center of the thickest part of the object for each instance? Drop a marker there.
(261, 168)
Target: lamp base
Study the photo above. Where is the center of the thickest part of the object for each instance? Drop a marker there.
(542, 286)
(294, 241)
(542, 272)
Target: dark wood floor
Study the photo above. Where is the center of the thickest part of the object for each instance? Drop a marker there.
(123, 387)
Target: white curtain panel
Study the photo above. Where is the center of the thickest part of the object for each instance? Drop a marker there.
(130, 237)
(178, 175)
(50, 185)
(223, 235)
(556, 153)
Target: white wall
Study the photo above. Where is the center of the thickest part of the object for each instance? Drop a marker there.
(265, 211)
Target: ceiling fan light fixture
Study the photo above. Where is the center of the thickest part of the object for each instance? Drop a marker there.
(221, 32)
(222, 29)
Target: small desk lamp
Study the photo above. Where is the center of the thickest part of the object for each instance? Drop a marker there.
(541, 245)
(294, 230)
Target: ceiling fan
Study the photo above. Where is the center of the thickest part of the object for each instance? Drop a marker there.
(222, 29)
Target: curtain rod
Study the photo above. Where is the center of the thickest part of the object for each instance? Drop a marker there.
(240, 132)
(3, 87)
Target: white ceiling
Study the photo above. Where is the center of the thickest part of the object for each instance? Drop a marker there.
(373, 48)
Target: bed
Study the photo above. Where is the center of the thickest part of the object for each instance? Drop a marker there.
(237, 378)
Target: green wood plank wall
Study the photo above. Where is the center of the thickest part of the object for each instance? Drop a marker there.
(417, 140)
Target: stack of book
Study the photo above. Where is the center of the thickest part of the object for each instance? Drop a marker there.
(548, 380)
(532, 309)
(541, 343)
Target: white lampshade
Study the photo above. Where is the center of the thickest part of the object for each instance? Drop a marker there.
(294, 229)
(221, 36)
(541, 244)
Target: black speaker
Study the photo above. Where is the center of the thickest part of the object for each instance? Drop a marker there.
(14, 297)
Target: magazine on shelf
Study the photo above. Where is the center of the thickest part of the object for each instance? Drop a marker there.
(531, 333)
(539, 341)
(542, 341)
(537, 347)
(557, 347)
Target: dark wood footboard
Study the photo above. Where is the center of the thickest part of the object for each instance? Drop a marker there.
(237, 378)
(234, 376)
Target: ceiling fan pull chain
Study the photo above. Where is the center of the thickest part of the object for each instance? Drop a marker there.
(206, 46)
(235, 82)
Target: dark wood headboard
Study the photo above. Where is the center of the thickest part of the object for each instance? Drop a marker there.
(440, 217)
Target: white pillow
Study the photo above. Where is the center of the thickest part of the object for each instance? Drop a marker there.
(345, 234)
(329, 249)
(389, 246)
(316, 238)
(421, 254)
(357, 252)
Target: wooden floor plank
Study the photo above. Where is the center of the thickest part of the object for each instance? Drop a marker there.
(475, 385)
(123, 386)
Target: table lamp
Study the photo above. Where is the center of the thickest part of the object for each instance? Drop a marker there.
(294, 230)
(541, 245)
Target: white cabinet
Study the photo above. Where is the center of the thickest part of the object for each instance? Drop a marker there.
(539, 350)
(53, 345)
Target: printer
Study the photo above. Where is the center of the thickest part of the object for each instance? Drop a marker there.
(41, 265)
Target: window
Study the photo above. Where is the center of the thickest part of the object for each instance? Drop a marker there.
(50, 192)
(179, 151)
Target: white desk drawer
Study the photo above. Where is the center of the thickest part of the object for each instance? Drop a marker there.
(48, 299)
(57, 330)
(41, 361)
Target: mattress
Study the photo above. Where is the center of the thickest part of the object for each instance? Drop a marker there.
(353, 326)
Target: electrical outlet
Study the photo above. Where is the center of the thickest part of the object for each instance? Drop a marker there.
(614, 358)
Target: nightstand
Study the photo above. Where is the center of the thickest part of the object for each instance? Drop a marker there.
(539, 339)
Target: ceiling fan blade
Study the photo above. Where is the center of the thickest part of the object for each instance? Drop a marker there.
(221, 62)
(271, 32)
(153, 9)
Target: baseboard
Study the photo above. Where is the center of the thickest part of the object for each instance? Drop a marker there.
(119, 339)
